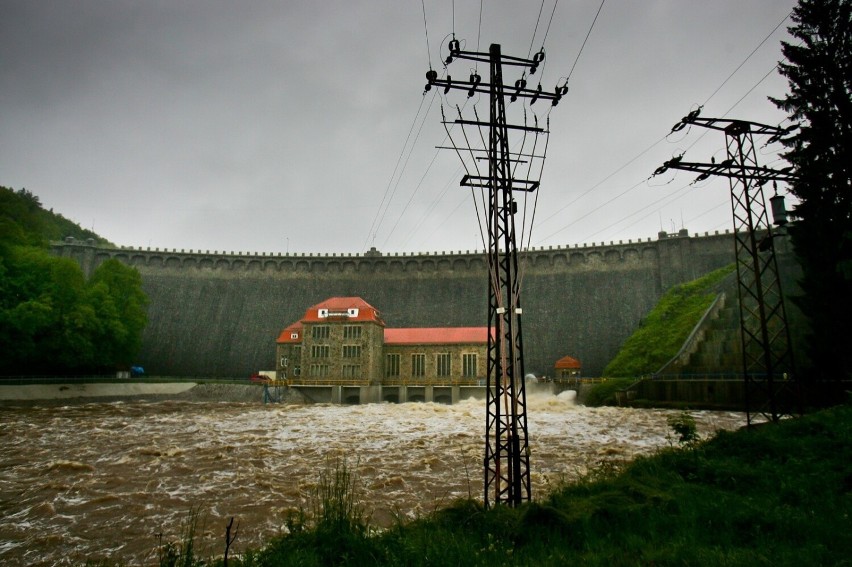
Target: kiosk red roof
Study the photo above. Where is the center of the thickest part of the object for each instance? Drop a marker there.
(567, 362)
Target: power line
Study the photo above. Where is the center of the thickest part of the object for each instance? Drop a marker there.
(716, 91)
(535, 31)
(584, 41)
(375, 228)
(753, 51)
(547, 31)
(426, 28)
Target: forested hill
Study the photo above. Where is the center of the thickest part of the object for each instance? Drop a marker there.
(52, 320)
(24, 221)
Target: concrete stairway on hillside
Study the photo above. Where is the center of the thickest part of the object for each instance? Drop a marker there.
(713, 349)
(720, 353)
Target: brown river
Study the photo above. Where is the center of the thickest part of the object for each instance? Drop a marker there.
(102, 480)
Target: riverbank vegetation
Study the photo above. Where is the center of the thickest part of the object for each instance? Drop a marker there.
(52, 320)
(777, 494)
(661, 334)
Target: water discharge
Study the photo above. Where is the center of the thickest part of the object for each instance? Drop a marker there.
(101, 480)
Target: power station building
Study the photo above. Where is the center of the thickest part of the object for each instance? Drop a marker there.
(345, 340)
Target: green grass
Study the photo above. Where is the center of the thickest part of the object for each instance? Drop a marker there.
(603, 393)
(661, 334)
(778, 494)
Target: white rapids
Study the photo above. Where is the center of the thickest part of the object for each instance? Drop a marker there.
(104, 480)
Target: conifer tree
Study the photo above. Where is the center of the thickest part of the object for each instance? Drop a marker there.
(818, 68)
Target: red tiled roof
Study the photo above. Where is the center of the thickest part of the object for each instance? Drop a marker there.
(286, 335)
(436, 336)
(339, 309)
(567, 362)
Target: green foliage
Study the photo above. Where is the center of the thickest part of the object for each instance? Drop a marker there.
(684, 426)
(603, 393)
(24, 221)
(661, 334)
(335, 532)
(182, 553)
(818, 69)
(51, 319)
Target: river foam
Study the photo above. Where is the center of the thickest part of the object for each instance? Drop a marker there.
(104, 479)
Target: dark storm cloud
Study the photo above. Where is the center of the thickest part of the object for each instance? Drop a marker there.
(267, 125)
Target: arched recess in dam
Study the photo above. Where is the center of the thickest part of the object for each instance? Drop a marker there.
(218, 314)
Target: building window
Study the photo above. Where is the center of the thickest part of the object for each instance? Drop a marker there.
(469, 365)
(392, 365)
(320, 351)
(297, 371)
(320, 332)
(442, 363)
(352, 331)
(418, 365)
(351, 370)
(319, 370)
(351, 351)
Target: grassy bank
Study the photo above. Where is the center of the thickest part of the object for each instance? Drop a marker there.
(778, 494)
(664, 330)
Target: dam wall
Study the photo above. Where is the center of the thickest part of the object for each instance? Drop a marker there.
(219, 313)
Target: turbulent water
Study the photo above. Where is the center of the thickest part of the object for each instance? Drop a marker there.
(102, 480)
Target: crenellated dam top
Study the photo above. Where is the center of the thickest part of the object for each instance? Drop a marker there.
(217, 313)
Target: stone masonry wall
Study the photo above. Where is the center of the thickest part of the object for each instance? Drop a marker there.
(218, 314)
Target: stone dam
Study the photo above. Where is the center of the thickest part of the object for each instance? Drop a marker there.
(217, 314)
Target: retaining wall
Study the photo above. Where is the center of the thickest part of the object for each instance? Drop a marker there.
(218, 314)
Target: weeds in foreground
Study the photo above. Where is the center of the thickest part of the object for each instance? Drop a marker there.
(684, 426)
(182, 553)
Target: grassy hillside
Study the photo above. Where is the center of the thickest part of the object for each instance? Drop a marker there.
(661, 334)
(24, 221)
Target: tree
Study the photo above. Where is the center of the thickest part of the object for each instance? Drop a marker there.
(115, 292)
(818, 69)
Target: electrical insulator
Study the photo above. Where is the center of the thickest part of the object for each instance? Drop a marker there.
(537, 58)
(536, 95)
(475, 79)
(520, 85)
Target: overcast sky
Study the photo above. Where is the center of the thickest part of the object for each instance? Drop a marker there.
(282, 126)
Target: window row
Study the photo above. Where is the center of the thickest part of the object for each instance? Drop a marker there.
(324, 351)
(443, 365)
(324, 331)
(322, 370)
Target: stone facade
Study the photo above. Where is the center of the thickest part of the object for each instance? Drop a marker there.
(343, 340)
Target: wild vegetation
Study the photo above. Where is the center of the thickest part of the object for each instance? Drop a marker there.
(53, 321)
(661, 334)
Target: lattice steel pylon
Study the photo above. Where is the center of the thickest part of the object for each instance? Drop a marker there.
(771, 385)
(506, 461)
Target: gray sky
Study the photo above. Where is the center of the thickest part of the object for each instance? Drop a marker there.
(279, 126)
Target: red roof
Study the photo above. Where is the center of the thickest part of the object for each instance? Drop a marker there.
(339, 309)
(292, 334)
(436, 336)
(566, 362)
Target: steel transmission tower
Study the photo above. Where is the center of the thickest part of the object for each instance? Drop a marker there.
(771, 386)
(506, 462)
